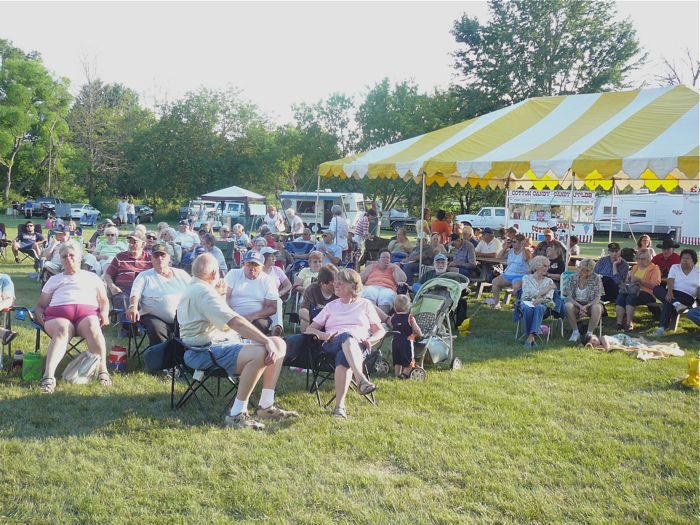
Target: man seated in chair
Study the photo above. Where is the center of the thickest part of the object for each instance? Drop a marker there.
(52, 259)
(206, 326)
(158, 291)
(381, 280)
(125, 267)
(29, 242)
(251, 292)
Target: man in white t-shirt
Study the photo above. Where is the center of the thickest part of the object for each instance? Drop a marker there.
(296, 224)
(158, 291)
(121, 211)
(339, 227)
(251, 292)
(52, 259)
(682, 289)
(488, 246)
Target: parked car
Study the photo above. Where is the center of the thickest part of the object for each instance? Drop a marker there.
(143, 214)
(78, 210)
(43, 206)
(491, 216)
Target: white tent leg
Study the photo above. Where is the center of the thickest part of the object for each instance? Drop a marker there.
(612, 208)
(420, 234)
(571, 216)
(318, 198)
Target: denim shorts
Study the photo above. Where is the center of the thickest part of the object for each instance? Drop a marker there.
(512, 278)
(225, 353)
(334, 347)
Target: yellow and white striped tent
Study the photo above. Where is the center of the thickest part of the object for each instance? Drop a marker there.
(646, 137)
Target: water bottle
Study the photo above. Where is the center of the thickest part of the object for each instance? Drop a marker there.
(17, 360)
(20, 315)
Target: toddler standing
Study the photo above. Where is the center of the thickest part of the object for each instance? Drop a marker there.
(406, 331)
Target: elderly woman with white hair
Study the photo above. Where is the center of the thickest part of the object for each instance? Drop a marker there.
(167, 237)
(73, 302)
(108, 247)
(537, 296)
(296, 225)
(339, 227)
(583, 293)
(348, 327)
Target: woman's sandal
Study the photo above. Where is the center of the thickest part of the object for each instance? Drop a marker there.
(339, 413)
(48, 385)
(404, 375)
(104, 379)
(366, 387)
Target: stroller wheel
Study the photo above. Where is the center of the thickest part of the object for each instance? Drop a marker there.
(418, 374)
(381, 367)
(456, 364)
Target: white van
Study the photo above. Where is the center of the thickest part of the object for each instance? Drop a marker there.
(353, 205)
(641, 212)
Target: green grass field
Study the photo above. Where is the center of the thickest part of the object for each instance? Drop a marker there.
(553, 435)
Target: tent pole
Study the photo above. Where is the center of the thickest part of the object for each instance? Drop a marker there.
(420, 235)
(571, 216)
(318, 191)
(508, 201)
(612, 208)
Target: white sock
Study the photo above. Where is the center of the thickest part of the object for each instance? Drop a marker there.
(239, 405)
(267, 398)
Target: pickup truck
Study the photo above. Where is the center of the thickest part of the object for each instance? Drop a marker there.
(398, 218)
(491, 216)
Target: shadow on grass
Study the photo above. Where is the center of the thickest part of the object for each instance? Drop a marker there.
(79, 411)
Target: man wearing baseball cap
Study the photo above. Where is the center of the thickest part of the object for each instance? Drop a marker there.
(667, 258)
(332, 253)
(52, 259)
(155, 295)
(121, 272)
(549, 239)
(253, 293)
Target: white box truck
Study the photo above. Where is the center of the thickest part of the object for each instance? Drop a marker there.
(304, 203)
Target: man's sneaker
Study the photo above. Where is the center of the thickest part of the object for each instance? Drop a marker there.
(574, 336)
(274, 413)
(659, 332)
(242, 420)
(680, 307)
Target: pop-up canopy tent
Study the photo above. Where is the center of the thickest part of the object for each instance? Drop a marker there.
(233, 193)
(635, 138)
(647, 137)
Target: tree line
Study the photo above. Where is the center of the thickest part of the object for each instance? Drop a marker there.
(103, 142)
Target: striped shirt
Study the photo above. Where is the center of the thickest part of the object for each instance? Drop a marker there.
(125, 267)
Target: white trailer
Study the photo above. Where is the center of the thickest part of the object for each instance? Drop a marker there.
(642, 212)
(304, 203)
(689, 232)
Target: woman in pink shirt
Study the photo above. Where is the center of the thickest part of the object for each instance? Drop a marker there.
(73, 302)
(348, 327)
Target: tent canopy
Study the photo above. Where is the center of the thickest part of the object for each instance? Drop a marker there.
(232, 193)
(647, 137)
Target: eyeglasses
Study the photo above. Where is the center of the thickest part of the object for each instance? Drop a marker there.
(251, 265)
(132, 240)
(111, 235)
(151, 237)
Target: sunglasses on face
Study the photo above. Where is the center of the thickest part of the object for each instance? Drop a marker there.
(151, 238)
(111, 235)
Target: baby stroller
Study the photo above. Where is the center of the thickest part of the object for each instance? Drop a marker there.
(433, 308)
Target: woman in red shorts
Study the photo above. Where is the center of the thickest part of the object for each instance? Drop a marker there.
(73, 302)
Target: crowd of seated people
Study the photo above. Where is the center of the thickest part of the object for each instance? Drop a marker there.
(217, 307)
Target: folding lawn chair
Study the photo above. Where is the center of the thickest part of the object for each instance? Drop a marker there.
(22, 313)
(322, 368)
(4, 241)
(25, 255)
(196, 380)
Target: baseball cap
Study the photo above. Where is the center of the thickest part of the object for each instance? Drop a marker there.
(108, 222)
(137, 235)
(329, 232)
(613, 247)
(254, 257)
(184, 222)
(159, 248)
(668, 243)
(61, 228)
(440, 257)
(487, 231)
(264, 251)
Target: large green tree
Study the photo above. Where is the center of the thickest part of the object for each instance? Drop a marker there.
(103, 120)
(532, 48)
(33, 107)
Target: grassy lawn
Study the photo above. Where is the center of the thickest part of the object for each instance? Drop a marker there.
(553, 435)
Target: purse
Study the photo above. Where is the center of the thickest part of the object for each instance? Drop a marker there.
(630, 288)
(82, 369)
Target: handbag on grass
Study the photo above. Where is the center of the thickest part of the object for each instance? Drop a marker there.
(82, 369)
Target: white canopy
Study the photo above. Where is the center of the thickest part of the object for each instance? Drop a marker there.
(232, 193)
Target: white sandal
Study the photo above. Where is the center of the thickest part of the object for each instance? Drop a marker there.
(48, 385)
